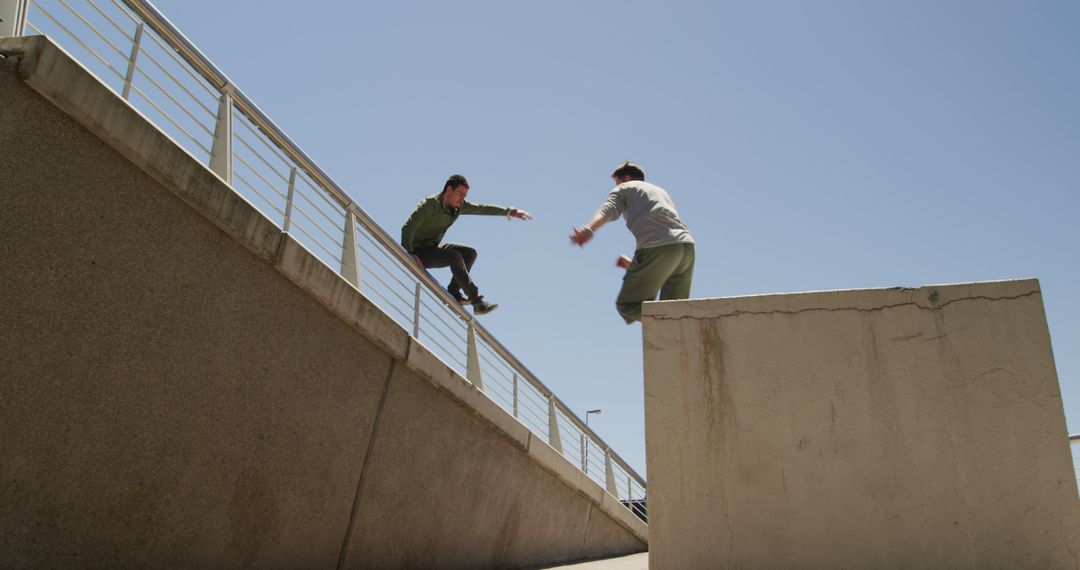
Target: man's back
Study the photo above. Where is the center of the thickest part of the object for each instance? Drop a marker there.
(650, 214)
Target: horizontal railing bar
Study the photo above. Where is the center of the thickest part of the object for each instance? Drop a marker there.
(303, 214)
(323, 194)
(123, 11)
(94, 29)
(76, 38)
(256, 172)
(300, 228)
(459, 330)
(204, 84)
(149, 56)
(327, 217)
(386, 286)
(190, 136)
(115, 26)
(180, 105)
(238, 176)
(455, 350)
(458, 340)
(257, 154)
(386, 271)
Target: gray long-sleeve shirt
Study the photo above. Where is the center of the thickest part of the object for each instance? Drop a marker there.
(650, 214)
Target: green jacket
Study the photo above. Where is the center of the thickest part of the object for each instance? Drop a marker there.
(429, 222)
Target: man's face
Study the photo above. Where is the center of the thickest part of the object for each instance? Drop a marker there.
(453, 197)
(620, 179)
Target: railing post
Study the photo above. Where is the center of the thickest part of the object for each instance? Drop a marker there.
(515, 395)
(553, 425)
(584, 454)
(289, 200)
(130, 76)
(472, 357)
(416, 312)
(221, 160)
(350, 257)
(12, 17)
(609, 472)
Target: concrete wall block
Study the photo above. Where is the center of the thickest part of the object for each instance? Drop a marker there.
(607, 537)
(168, 398)
(485, 504)
(876, 428)
(561, 467)
(312, 275)
(427, 365)
(619, 513)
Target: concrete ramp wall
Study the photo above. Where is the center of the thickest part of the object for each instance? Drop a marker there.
(183, 385)
(891, 428)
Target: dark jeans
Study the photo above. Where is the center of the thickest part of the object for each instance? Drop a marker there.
(459, 258)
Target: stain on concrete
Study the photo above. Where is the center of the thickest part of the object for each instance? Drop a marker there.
(717, 395)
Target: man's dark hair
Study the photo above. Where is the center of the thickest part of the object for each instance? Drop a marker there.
(455, 181)
(629, 169)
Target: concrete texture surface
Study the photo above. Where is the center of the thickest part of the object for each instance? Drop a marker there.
(182, 384)
(166, 395)
(629, 562)
(892, 428)
(476, 472)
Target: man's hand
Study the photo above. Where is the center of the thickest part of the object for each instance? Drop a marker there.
(519, 214)
(581, 235)
(623, 262)
(417, 261)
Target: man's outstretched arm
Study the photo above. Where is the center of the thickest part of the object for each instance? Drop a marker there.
(609, 211)
(470, 209)
(585, 233)
(519, 214)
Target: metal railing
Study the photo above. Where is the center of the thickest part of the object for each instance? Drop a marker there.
(132, 48)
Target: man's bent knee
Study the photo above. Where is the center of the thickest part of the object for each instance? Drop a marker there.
(455, 258)
(630, 312)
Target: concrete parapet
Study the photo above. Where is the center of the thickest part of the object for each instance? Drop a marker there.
(183, 384)
(891, 428)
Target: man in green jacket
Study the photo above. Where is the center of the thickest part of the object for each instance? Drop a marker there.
(423, 231)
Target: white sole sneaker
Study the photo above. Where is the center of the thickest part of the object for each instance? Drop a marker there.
(491, 307)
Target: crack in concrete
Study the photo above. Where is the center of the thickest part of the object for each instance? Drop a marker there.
(841, 309)
(1068, 548)
(975, 378)
(354, 513)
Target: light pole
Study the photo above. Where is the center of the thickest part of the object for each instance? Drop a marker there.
(585, 443)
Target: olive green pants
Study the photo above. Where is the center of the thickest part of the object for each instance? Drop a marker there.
(667, 270)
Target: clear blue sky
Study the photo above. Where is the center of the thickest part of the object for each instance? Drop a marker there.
(809, 145)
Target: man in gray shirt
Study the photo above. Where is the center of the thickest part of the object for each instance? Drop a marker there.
(664, 258)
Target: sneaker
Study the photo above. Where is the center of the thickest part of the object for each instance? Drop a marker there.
(482, 307)
(459, 298)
